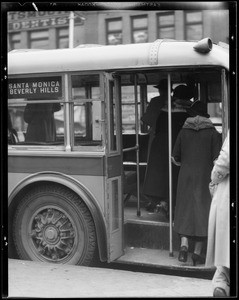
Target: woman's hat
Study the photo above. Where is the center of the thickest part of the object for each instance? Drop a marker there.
(163, 84)
(182, 92)
(198, 108)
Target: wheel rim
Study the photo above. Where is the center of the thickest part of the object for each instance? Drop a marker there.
(53, 235)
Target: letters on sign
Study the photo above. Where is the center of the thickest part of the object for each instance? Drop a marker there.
(42, 19)
(35, 88)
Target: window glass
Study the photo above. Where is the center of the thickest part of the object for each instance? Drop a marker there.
(194, 32)
(114, 38)
(194, 28)
(114, 25)
(39, 39)
(14, 41)
(140, 29)
(166, 20)
(193, 17)
(140, 22)
(166, 24)
(37, 117)
(128, 109)
(114, 31)
(140, 36)
(166, 33)
(36, 123)
(63, 38)
(87, 110)
(215, 112)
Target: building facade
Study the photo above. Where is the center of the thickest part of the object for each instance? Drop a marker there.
(50, 29)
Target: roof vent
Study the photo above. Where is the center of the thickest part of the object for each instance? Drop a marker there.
(203, 46)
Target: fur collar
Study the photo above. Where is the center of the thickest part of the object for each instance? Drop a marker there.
(198, 123)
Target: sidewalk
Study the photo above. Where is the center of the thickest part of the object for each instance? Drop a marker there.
(33, 279)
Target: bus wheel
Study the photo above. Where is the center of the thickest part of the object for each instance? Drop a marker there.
(52, 224)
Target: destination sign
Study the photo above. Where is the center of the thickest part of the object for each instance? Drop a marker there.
(35, 88)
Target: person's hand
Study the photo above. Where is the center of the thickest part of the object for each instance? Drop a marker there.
(212, 188)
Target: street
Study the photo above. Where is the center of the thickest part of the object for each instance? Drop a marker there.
(34, 279)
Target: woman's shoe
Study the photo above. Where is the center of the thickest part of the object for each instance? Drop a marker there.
(162, 208)
(219, 292)
(150, 207)
(198, 259)
(183, 254)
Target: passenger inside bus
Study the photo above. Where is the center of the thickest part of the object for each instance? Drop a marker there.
(41, 123)
(152, 112)
(19, 128)
(156, 184)
(12, 134)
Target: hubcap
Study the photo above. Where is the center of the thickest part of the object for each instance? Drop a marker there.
(53, 234)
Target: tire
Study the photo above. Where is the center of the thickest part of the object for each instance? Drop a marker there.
(52, 224)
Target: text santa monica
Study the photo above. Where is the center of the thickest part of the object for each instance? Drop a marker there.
(34, 87)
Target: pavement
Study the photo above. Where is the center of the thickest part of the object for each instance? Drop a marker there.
(43, 280)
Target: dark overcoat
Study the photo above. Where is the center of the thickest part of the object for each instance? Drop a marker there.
(197, 146)
(41, 123)
(156, 182)
(150, 117)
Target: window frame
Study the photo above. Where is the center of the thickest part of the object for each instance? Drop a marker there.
(12, 41)
(24, 102)
(186, 23)
(73, 101)
(132, 18)
(63, 36)
(165, 26)
(113, 31)
(30, 39)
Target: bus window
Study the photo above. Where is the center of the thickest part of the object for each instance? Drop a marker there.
(128, 101)
(215, 112)
(128, 109)
(87, 110)
(35, 107)
(37, 123)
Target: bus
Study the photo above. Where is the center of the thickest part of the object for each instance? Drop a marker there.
(77, 149)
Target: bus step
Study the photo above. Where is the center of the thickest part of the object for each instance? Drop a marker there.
(159, 258)
(149, 230)
(152, 235)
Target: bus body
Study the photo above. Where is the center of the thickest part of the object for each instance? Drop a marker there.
(76, 194)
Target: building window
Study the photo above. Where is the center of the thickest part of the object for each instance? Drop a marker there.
(39, 39)
(139, 29)
(166, 26)
(63, 38)
(14, 41)
(193, 25)
(114, 31)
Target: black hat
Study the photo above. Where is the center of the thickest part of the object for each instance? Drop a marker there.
(198, 108)
(163, 84)
(182, 92)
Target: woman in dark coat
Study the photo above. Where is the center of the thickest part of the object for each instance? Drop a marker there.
(197, 146)
(41, 123)
(156, 183)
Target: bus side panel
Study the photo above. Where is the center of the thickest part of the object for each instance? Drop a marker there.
(93, 166)
(95, 184)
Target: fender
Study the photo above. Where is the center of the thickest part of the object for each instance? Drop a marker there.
(80, 190)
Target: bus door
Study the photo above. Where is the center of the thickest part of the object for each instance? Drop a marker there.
(113, 166)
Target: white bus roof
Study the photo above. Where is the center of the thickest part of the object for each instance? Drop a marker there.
(161, 53)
